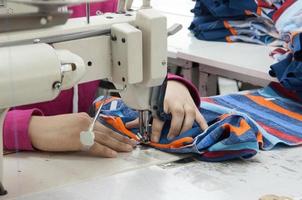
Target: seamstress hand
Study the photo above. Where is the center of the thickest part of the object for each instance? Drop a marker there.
(180, 104)
(62, 133)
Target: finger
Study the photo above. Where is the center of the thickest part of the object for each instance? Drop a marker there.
(103, 129)
(157, 126)
(122, 138)
(178, 115)
(132, 124)
(112, 143)
(190, 114)
(102, 151)
(201, 120)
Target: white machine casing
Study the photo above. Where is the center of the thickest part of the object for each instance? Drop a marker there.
(16, 83)
(153, 26)
(127, 58)
(77, 52)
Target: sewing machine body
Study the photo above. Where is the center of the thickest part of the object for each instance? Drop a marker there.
(128, 49)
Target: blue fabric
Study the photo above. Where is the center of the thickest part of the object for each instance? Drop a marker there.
(296, 47)
(222, 9)
(244, 5)
(238, 126)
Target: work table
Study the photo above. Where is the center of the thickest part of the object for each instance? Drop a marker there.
(150, 174)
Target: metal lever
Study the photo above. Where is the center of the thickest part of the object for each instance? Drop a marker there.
(174, 29)
(88, 12)
(121, 6)
(129, 5)
(144, 126)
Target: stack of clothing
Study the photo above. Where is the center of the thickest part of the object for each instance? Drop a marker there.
(288, 68)
(252, 21)
(239, 124)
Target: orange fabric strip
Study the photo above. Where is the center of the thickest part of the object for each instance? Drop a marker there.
(222, 117)
(260, 139)
(175, 144)
(259, 11)
(272, 106)
(243, 127)
(117, 123)
(228, 26)
(228, 39)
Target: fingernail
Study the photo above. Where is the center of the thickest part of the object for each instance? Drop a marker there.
(134, 142)
(113, 154)
(129, 148)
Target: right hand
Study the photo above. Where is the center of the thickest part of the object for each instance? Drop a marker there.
(61, 133)
(179, 102)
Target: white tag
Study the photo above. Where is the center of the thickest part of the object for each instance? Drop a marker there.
(113, 105)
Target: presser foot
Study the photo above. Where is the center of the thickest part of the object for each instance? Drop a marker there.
(143, 139)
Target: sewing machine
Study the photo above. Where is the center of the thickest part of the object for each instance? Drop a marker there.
(44, 52)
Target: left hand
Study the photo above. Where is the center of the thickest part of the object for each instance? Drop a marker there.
(61, 133)
(180, 104)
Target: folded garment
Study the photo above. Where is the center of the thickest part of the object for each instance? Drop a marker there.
(252, 30)
(289, 73)
(289, 70)
(241, 9)
(222, 9)
(239, 124)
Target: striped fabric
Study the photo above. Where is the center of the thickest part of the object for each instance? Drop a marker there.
(276, 113)
(239, 124)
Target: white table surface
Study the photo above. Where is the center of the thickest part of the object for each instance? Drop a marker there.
(28, 172)
(277, 172)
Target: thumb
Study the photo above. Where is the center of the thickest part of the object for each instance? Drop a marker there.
(201, 120)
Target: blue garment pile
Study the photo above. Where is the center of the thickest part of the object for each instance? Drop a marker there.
(236, 21)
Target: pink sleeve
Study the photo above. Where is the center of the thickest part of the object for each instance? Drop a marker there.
(15, 129)
(192, 89)
(95, 8)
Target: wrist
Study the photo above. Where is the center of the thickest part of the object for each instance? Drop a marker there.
(191, 88)
(33, 131)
